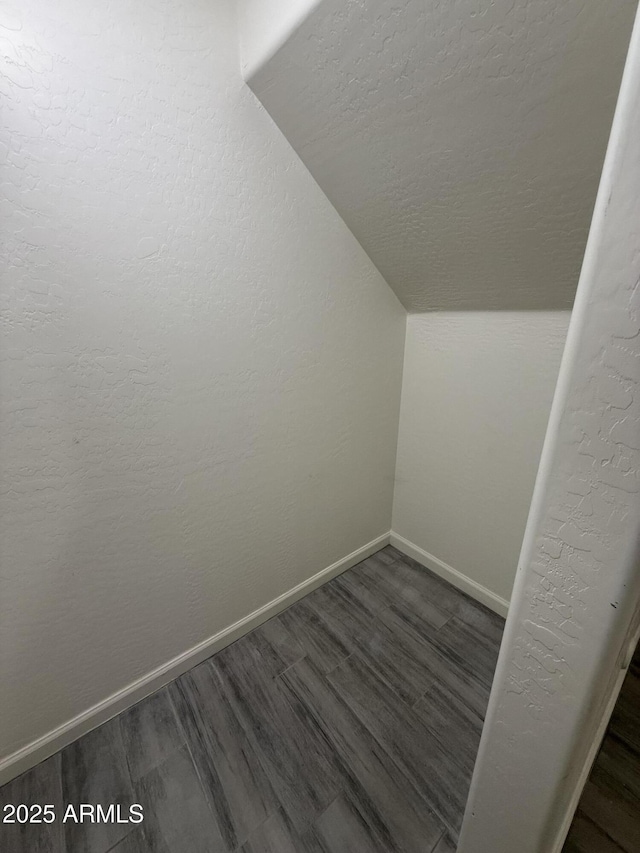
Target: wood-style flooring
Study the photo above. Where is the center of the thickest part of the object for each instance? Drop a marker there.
(347, 724)
(608, 815)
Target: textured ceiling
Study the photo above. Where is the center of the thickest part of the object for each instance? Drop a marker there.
(461, 141)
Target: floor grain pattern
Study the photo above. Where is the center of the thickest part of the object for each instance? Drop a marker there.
(347, 724)
(608, 815)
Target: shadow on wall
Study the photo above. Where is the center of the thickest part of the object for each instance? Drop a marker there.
(477, 390)
(463, 148)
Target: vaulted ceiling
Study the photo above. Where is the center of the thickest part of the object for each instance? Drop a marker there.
(461, 141)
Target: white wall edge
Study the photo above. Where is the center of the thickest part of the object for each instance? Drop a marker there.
(617, 680)
(521, 798)
(289, 22)
(50, 743)
(485, 596)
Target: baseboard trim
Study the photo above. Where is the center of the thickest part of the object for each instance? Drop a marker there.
(473, 588)
(45, 746)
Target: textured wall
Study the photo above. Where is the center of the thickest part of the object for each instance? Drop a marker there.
(578, 583)
(264, 26)
(477, 389)
(201, 369)
(461, 141)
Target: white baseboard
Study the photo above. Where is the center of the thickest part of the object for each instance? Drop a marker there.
(473, 588)
(65, 734)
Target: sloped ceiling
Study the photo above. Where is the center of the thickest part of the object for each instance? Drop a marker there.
(461, 141)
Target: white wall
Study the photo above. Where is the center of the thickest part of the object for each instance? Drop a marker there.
(461, 141)
(477, 389)
(265, 25)
(201, 368)
(577, 589)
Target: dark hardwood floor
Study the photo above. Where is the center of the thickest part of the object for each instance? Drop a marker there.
(608, 815)
(347, 724)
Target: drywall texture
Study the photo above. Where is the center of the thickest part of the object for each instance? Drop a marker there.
(577, 585)
(264, 26)
(202, 368)
(477, 390)
(462, 142)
